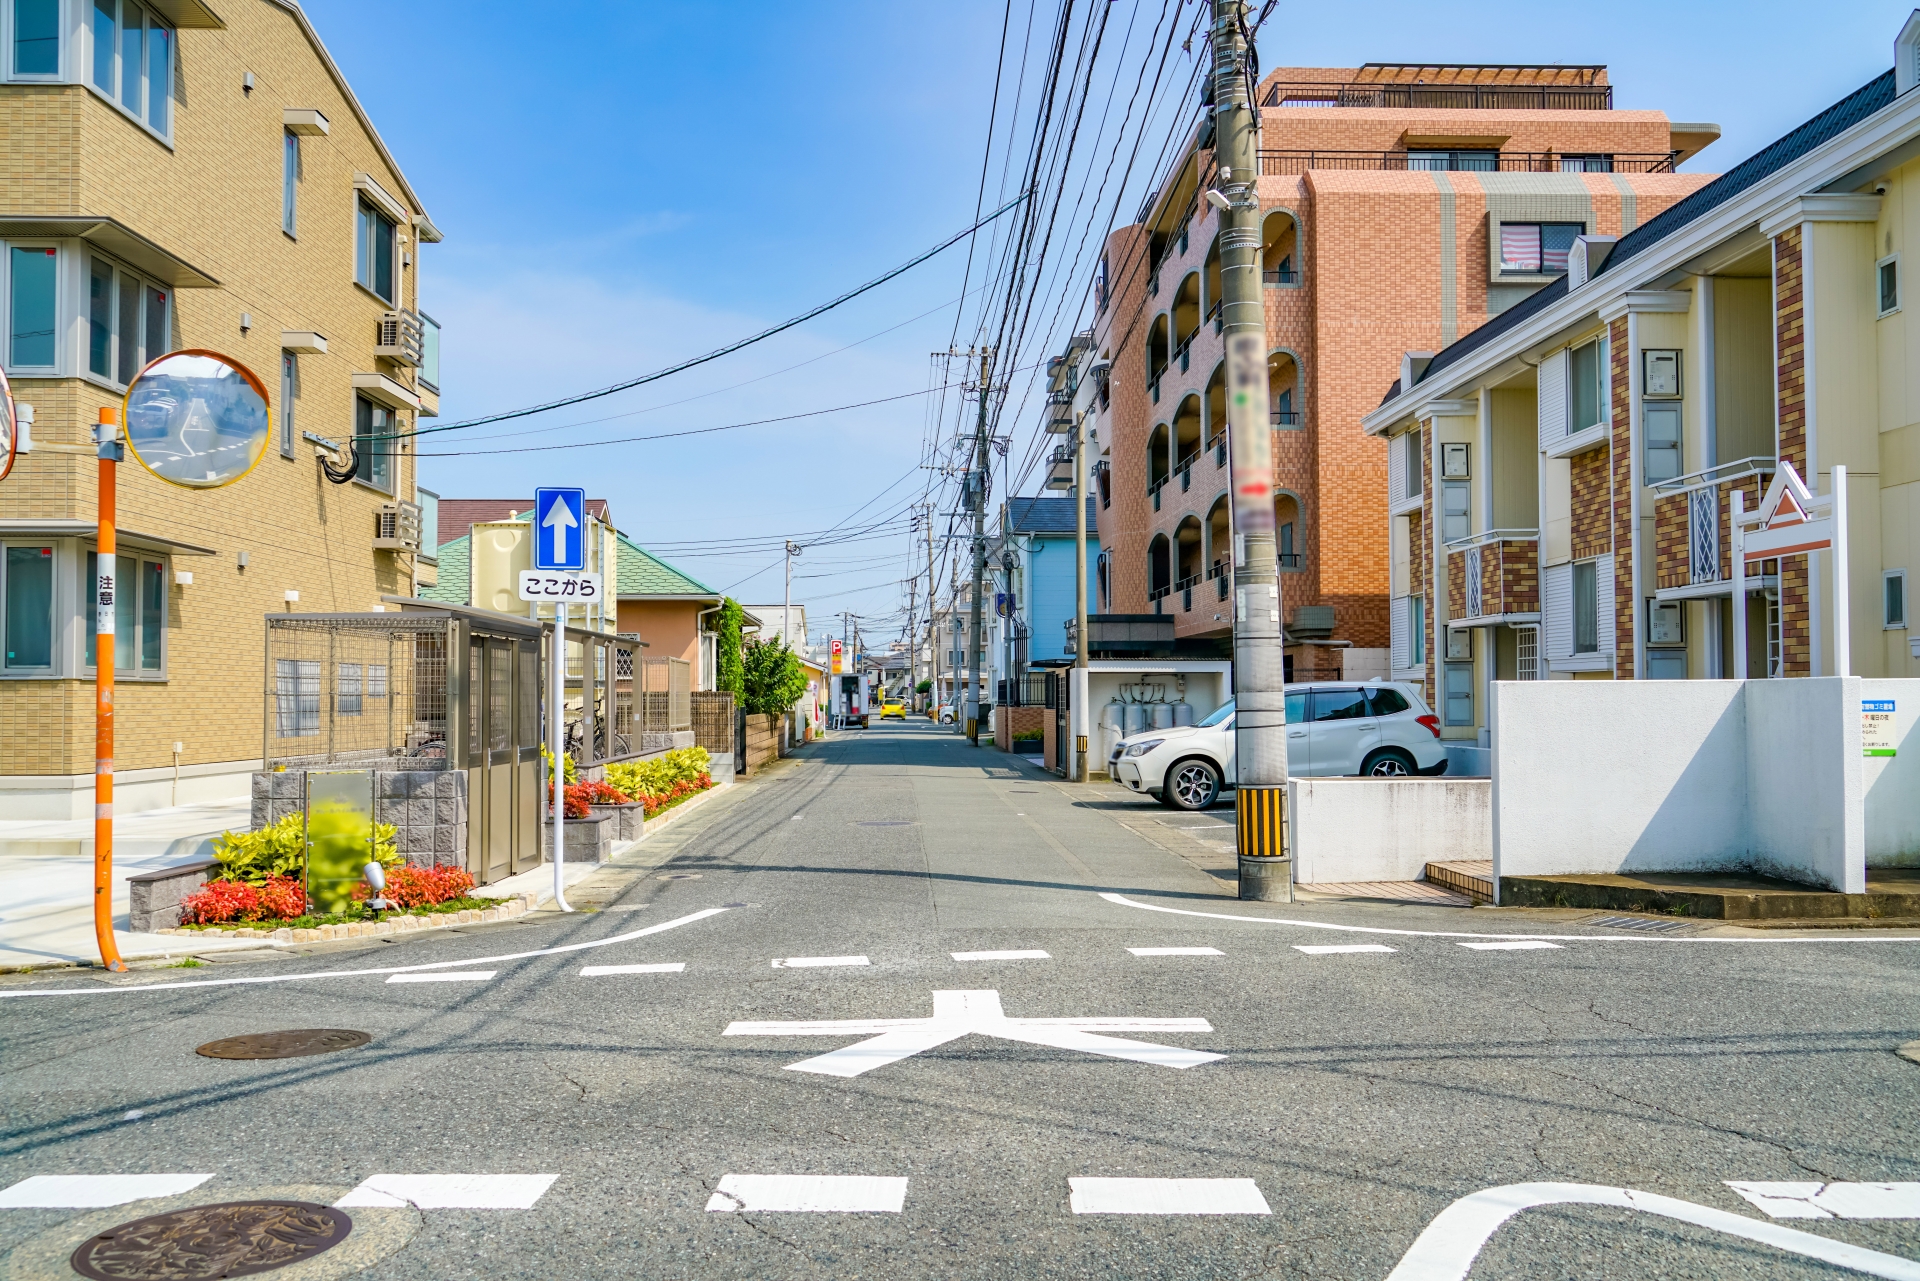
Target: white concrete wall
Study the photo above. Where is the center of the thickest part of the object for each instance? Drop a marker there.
(1369, 829)
(1893, 783)
(1806, 819)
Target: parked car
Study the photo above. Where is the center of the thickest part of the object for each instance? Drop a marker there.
(1380, 729)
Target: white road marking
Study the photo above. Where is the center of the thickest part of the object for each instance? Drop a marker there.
(100, 989)
(450, 1191)
(962, 1013)
(814, 962)
(1176, 951)
(665, 967)
(1521, 945)
(1166, 1196)
(445, 976)
(1341, 949)
(1033, 955)
(1833, 1200)
(93, 1191)
(808, 1194)
(1446, 1249)
(797, 817)
(1123, 901)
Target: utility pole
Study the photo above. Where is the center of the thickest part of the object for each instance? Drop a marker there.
(933, 624)
(1079, 687)
(1259, 661)
(977, 493)
(786, 609)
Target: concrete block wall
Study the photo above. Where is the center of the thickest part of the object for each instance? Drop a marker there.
(1365, 829)
(427, 808)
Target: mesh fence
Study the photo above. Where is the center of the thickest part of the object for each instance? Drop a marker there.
(350, 689)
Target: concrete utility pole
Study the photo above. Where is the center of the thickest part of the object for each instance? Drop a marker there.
(786, 609)
(933, 624)
(1259, 662)
(1079, 687)
(978, 497)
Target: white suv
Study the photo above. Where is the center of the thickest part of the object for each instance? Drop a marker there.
(1379, 729)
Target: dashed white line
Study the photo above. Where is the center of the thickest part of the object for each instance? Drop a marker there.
(664, 967)
(1176, 951)
(1166, 1196)
(808, 1194)
(1520, 945)
(1030, 955)
(1337, 949)
(93, 1191)
(450, 1191)
(815, 962)
(445, 976)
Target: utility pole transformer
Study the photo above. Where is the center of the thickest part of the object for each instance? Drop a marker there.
(1259, 660)
(977, 495)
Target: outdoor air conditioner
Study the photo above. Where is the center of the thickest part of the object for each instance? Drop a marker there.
(396, 527)
(399, 337)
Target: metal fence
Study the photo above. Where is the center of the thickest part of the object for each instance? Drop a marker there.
(666, 698)
(606, 698)
(712, 715)
(350, 687)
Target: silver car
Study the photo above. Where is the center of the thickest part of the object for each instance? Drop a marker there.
(1380, 729)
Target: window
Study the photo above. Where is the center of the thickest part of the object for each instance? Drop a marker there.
(429, 522)
(371, 423)
(1417, 630)
(1289, 559)
(1586, 608)
(1297, 708)
(373, 251)
(36, 37)
(1660, 426)
(1887, 274)
(29, 605)
(429, 352)
(1459, 693)
(31, 292)
(1537, 248)
(1415, 464)
(1453, 511)
(1340, 705)
(289, 179)
(1586, 164)
(1893, 589)
(296, 697)
(346, 690)
(1587, 389)
(133, 61)
(126, 322)
(1386, 702)
(1477, 161)
(139, 612)
(289, 372)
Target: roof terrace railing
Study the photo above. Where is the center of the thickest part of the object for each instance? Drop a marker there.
(1296, 162)
(1446, 97)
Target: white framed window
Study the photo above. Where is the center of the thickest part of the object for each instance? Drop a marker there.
(1586, 607)
(289, 181)
(26, 607)
(1886, 280)
(289, 384)
(127, 321)
(132, 63)
(139, 612)
(33, 39)
(32, 296)
(373, 251)
(1417, 630)
(1893, 598)
(1537, 248)
(1587, 386)
(371, 423)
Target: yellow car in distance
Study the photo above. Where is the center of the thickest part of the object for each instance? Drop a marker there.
(893, 709)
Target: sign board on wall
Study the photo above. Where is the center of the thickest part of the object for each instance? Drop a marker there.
(1876, 727)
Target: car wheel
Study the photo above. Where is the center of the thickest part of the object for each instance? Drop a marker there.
(1389, 762)
(1192, 785)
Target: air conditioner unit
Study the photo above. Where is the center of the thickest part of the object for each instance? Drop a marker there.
(399, 337)
(396, 527)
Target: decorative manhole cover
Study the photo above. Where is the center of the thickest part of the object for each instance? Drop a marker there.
(285, 1045)
(205, 1242)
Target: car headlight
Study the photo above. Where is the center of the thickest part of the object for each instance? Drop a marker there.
(1142, 748)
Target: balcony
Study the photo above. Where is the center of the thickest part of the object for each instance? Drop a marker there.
(1692, 534)
(1298, 162)
(1060, 468)
(1284, 418)
(1278, 278)
(1494, 577)
(1444, 97)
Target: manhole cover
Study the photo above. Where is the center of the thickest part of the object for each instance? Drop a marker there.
(285, 1045)
(679, 876)
(1641, 923)
(236, 1239)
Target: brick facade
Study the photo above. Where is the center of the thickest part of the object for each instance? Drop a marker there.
(1620, 479)
(1592, 493)
(1790, 384)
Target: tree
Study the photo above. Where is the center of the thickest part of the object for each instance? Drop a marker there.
(923, 687)
(774, 679)
(730, 674)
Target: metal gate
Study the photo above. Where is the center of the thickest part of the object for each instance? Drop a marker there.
(503, 756)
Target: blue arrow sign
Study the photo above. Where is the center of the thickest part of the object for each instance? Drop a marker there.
(560, 529)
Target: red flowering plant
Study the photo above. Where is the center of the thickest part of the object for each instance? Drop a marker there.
(409, 886)
(278, 898)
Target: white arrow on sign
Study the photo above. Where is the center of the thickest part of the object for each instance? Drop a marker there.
(559, 520)
(958, 1014)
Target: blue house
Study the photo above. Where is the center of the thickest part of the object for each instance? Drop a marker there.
(1034, 581)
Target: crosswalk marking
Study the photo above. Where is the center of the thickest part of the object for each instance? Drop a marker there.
(1812, 1200)
(92, 1191)
(813, 962)
(444, 976)
(450, 1191)
(1336, 949)
(664, 967)
(1176, 951)
(808, 1193)
(1520, 945)
(1166, 1196)
(1031, 955)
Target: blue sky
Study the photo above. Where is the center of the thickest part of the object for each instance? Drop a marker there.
(625, 186)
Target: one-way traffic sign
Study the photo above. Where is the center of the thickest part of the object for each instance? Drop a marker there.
(560, 529)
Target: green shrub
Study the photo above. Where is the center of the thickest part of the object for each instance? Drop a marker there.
(729, 667)
(774, 679)
(281, 850)
(657, 776)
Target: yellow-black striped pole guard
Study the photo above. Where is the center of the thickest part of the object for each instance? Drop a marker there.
(1262, 814)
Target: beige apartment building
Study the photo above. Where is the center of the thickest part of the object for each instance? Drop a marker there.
(175, 175)
(1564, 477)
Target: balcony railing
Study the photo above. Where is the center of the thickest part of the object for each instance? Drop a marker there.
(1692, 532)
(1298, 162)
(1447, 97)
(1158, 593)
(1494, 573)
(1285, 417)
(1279, 277)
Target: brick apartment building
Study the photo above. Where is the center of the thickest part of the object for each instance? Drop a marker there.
(258, 215)
(1403, 206)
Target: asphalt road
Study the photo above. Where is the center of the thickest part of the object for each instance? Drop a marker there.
(1353, 1096)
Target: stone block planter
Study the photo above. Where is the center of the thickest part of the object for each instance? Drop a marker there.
(155, 896)
(627, 820)
(589, 840)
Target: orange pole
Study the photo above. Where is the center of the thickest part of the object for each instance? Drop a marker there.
(107, 436)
